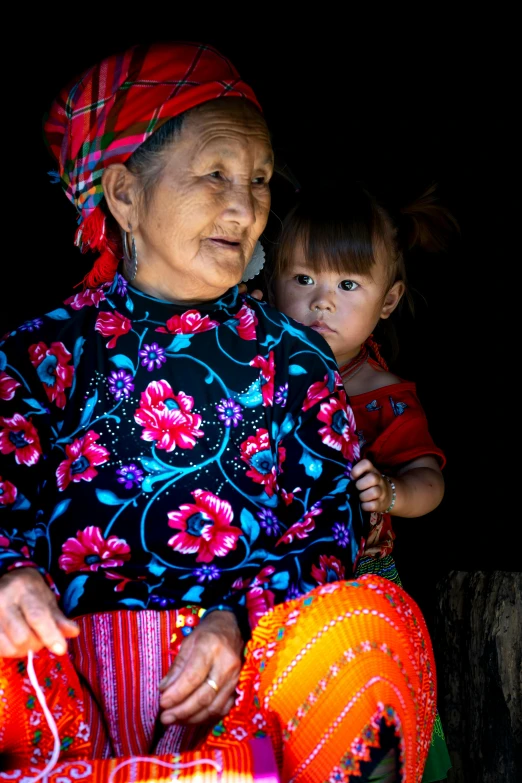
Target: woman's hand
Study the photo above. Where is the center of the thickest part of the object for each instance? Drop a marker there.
(375, 492)
(213, 650)
(30, 618)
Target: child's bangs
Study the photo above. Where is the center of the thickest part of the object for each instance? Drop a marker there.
(340, 243)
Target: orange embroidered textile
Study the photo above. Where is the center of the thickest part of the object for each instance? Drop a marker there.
(324, 674)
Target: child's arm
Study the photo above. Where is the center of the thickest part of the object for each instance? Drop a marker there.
(419, 487)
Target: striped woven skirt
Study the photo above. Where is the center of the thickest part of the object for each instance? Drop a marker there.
(331, 682)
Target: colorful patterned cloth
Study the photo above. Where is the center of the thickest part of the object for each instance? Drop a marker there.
(154, 456)
(326, 678)
(113, 107)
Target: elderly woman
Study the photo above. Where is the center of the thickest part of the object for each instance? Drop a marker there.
(175, 468)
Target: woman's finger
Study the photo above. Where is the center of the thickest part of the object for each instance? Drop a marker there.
(194, 667)
(40, 618)
(202, 705)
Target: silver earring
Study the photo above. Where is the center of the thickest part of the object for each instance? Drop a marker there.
(130, 257)
(255, 264)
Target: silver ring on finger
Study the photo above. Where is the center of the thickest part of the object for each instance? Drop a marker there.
(213, 684)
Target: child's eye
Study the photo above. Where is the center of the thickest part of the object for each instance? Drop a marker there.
(304, 279)
(348, 285)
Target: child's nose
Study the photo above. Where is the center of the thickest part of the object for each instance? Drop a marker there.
(322, 302)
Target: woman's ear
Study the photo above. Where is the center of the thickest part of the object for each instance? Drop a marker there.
(120, 191)
(392, 299)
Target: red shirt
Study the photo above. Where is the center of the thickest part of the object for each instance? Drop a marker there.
(393, 430)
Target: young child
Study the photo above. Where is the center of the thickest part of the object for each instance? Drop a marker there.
(339, 268)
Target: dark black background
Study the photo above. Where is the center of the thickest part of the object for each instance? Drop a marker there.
(399, 102)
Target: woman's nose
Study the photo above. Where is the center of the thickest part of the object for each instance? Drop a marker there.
(240, 205)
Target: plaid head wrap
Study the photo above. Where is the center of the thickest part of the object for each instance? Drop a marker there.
(112, 108)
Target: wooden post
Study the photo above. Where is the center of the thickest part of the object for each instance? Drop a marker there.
(477, 636)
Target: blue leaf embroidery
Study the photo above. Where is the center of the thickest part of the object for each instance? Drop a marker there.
(151, 465)
(296, 369)
(78, 350)
(179, 343)
(74, 592)
(88, 410)
(58, 315)
(3, 360)
(280, 581)
(122, 362)
(252, 397)
(132, 602)
(155, 567)
(194, 594)
(59, 509)
(108, 498)
(249, 525)
(32, 403)
(313, 466)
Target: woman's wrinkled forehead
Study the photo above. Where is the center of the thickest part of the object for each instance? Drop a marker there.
(227, 129)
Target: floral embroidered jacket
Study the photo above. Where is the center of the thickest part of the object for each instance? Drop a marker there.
(156, 456)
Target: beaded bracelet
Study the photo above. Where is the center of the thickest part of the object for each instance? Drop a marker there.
(394, 494)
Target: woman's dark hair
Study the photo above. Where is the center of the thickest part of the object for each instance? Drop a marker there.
(147, 161)
(342, 231)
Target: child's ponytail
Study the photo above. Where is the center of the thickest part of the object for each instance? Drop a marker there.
(426, 224)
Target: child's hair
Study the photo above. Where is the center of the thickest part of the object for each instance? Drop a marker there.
(342, 232)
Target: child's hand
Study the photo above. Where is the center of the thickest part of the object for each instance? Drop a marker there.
(256, 293)
(375, 492)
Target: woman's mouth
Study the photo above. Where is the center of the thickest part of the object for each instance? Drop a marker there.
(227, 243)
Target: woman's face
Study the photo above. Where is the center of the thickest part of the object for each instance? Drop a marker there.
(196, 234)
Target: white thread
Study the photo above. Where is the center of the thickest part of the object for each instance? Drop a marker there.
(175, 766)
(56, 751)
(48, 717)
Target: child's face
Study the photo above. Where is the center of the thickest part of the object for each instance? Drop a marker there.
(344, 308)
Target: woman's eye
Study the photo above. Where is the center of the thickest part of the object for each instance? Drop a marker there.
(304, 280)
(348, 285)
(215, 174)
(259, 181)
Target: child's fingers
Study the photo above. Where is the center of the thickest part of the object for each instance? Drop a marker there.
(374, 493)
(257, 294)
(368, 480)
(363, 466)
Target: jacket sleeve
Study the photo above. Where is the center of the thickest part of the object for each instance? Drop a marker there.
(24, 438)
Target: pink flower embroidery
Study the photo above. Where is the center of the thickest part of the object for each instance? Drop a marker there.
(8, 386)
(166, 417)
(52, 367)
(256, 452)
(259, 599)
(205, 527)
(8, 493)
(4, 542)
(330, 570)
(189, 322)
(87, 298)
(302, 528)
(90, 551)
(246, 328)
(83, 456)
(339, 432)
(21, 436)
(317, 391)
(267, 377)
(114, 324)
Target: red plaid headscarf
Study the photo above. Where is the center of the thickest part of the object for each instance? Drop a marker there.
(113, 108)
